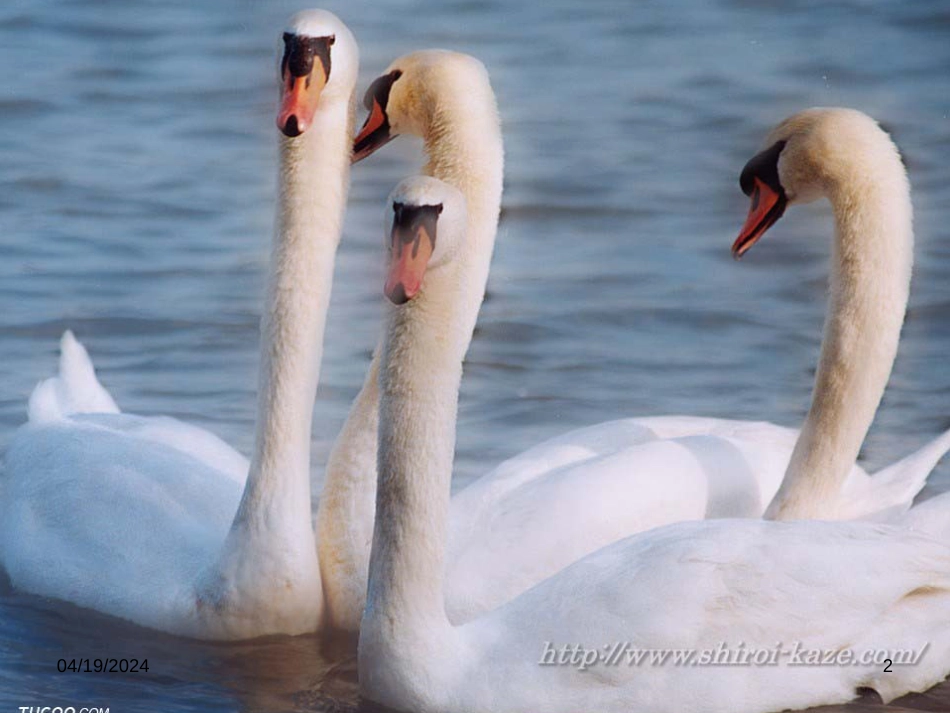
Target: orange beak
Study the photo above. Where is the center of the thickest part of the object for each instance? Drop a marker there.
(767, 207)
(374, 134)
(411, 251)
(300, 97)
(376, 131)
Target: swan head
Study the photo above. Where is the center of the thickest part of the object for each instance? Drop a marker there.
(806, 157)
(408, 96)
(425, 226)
(318, 66)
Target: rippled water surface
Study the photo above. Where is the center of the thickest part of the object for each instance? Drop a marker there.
(136, 201)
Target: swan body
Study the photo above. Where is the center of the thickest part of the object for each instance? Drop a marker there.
(696, 586)
(160, 523)
(693, 586)
(565, 498)
(507, 513)
(537, 512)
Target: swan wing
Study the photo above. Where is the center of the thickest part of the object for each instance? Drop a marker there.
(98, 514)
(556, 502)
(891, 491)
(75, 394)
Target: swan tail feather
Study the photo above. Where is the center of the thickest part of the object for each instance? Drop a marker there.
(892, 489)
(74, 390)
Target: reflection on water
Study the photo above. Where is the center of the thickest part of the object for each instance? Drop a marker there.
(136, 194)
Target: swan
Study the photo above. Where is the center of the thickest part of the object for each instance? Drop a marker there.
(553, 504)
(701, 586)
(161, 523)
(872, 261)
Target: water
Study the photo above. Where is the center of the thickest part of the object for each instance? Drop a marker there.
(136, 201)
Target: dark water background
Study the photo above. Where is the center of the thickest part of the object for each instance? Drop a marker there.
(137, 174)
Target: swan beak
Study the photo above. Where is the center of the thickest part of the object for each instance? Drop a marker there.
(301, 96)
(374, 134)
(767, 207)
(413, 242)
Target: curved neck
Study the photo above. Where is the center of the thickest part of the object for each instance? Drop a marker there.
(314, 177)
(464, 148)
(466, 151)
(420, 372)
(870, 280)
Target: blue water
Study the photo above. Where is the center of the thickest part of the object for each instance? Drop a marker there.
(136, 201)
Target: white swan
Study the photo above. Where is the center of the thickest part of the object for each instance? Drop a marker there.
(551, 505)
(697, 586)
(872, 261)
(144, 518)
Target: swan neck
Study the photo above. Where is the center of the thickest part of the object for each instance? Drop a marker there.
(465, 149)
(348, 506)
(313, 182)
(420, 371)
(872, 259)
